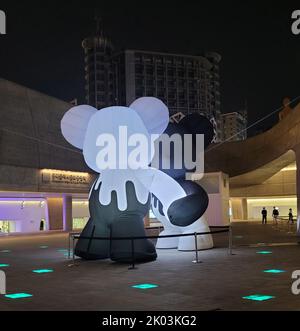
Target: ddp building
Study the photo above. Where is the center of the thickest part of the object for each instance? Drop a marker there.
(44, 182)
(41, 176)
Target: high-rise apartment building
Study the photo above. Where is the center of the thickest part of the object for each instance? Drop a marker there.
(215, 97)
(234, 126)
(186, 83)
(99, 71)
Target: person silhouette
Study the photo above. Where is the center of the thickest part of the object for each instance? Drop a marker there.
(291, 218)
(275, 215)
(42, 225)
(264, 215)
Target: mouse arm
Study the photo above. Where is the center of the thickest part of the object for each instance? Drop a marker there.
(180, 208)
(164, 187)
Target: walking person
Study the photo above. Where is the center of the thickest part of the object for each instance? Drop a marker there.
(42, 225)
(291, 218)
(264, 215)
(275, 215)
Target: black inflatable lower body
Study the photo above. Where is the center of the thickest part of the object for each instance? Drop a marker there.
(109, 222)
(141, 250)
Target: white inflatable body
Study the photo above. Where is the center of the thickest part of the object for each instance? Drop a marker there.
(182, 243)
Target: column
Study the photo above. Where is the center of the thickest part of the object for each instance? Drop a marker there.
(55, 213)
(244, 209)
(67, 213)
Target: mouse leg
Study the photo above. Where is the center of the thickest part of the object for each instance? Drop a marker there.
(168, 228)
(121, 250)
(203, 241)
(91, 249)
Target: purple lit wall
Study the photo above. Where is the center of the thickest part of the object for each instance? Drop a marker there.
(25, 213)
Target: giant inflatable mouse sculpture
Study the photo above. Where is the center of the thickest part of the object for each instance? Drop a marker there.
(192, 124)
(120, 197)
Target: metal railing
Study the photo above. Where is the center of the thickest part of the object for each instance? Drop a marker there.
(76, 235)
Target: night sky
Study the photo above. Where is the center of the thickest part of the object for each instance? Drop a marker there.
(260, 55)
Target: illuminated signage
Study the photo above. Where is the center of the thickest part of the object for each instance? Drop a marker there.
(65, 177)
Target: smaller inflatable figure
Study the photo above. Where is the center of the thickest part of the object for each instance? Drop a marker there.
(191, 124)
(113, 142)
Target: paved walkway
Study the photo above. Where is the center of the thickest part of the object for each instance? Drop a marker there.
(219, 283)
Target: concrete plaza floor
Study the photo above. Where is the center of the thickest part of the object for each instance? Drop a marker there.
(218, 283)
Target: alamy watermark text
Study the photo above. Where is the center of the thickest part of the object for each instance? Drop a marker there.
(296, 22)
(2, 22)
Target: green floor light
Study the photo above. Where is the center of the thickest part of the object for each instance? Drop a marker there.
(42, 271)
(259, 297)
(5, 251)
(62, 250)
(274, 271)
(145, 286)
(43, 247)
(3, 265)
(264, 252)
(18, 295)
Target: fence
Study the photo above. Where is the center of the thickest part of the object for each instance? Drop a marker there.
(75, 236)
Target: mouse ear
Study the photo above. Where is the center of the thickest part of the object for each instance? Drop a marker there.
(75, 122)
(153, 112)
(199, 124)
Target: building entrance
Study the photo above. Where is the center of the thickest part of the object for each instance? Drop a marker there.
(7, 226)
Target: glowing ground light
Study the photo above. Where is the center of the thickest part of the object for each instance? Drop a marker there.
(5, 251)
(3, 265)
(264, 252)
(18, 295)
(145, 286)
(43, 247)
(62, 250)
(274, 271)
(259, 297)
(42, 271)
